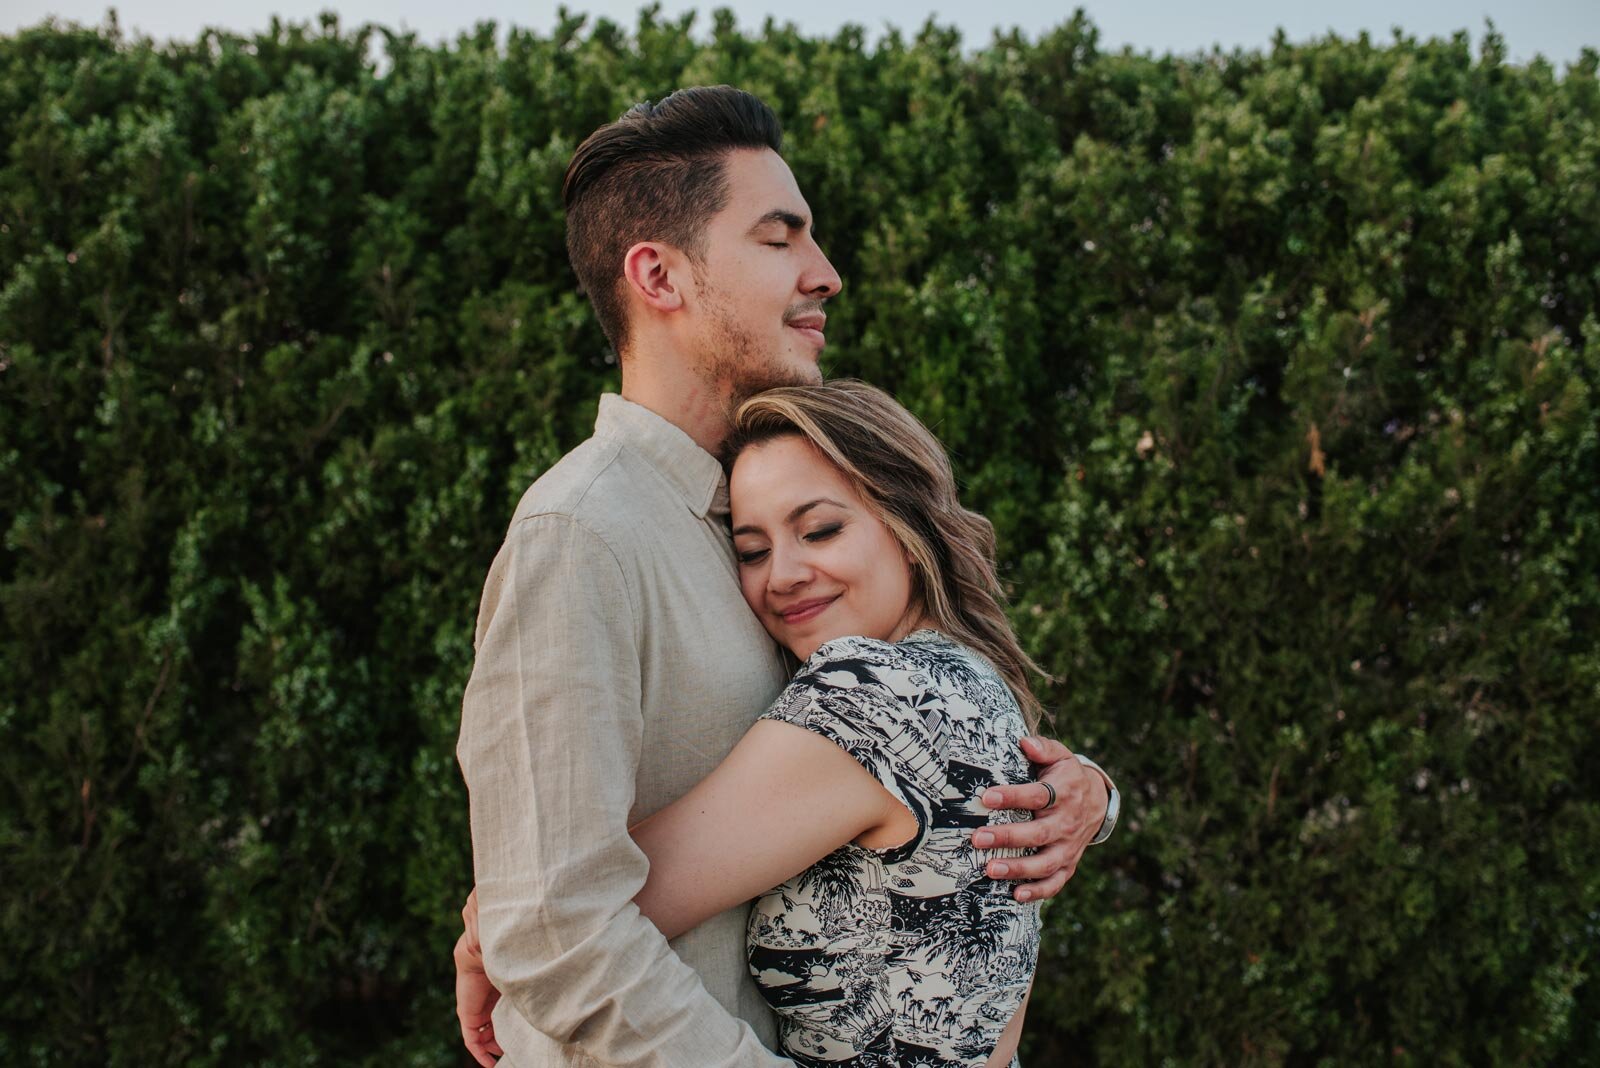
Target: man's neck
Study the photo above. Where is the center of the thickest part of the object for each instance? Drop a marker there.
(680, 397)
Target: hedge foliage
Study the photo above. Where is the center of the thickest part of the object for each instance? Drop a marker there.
(1277, 370)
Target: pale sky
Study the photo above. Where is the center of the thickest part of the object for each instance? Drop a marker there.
(1556, 29)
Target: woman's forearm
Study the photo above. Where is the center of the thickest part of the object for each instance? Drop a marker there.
(781, 801)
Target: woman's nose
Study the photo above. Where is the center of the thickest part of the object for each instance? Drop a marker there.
(789, 569)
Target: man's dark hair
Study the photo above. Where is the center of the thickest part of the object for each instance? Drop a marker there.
(656, 174)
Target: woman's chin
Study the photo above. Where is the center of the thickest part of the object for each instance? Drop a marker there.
(803, 648)
(799, 648)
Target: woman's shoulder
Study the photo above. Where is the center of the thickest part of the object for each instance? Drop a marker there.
(854, 673)
(854, 647)
(871, 672)
(872, 698)
(904, 668)
(916, 651)
(923, 660)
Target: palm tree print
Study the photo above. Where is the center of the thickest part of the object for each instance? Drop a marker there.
(833, 883)
(912, 957)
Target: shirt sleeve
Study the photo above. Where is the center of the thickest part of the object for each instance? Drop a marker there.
(551, 730)
(867, 706)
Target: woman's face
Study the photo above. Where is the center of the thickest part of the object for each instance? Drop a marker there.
(814, 562)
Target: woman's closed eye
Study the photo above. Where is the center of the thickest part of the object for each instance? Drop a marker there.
(821, 534)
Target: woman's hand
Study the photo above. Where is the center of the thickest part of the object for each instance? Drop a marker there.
(475, 995)
(1060, 833)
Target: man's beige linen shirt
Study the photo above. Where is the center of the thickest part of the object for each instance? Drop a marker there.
(616, 666)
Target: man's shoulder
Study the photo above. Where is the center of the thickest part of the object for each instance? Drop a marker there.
(593, 487)
(566, 487)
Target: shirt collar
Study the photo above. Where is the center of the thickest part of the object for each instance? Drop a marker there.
(694, 473)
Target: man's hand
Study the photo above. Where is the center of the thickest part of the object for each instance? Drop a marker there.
(475, 995)
(1060, 833)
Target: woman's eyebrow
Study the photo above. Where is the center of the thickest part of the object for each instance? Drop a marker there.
(794, 514)
(804, 508)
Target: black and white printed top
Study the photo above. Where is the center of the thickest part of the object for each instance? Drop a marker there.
(908, 956)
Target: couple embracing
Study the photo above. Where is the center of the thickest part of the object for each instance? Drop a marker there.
(747, 733)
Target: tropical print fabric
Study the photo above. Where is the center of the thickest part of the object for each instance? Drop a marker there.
(909, 957)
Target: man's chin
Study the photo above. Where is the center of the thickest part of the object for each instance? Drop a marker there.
(807, 373)
(793, 371)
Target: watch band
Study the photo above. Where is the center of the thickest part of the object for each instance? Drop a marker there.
(1113, 801)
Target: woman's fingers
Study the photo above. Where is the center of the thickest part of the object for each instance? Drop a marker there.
(482, 1045)
(469, 919)
(475, 997)
(467, 954)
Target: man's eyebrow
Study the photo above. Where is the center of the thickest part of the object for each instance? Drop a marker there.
(781, 215)
(794, 514)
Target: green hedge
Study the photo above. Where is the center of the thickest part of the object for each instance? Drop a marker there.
(1277, 370)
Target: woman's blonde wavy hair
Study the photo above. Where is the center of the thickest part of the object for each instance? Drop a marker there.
(902, 473)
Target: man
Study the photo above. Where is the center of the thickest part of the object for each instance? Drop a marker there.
(616, 661)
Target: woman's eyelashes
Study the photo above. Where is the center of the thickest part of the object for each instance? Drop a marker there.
(755, 556)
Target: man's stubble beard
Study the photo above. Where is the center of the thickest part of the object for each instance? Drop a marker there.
(736, 367)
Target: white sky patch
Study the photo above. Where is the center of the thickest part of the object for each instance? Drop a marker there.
(1556, 29)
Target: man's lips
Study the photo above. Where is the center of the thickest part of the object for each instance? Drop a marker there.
(811, 326)
(805, 610)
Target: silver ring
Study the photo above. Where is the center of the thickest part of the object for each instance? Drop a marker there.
(1052, 791)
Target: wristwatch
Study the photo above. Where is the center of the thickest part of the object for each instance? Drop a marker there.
(1113, 801)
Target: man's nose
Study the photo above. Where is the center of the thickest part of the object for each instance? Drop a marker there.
(821, 280)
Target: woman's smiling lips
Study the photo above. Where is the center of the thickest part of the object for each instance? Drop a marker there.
(806, 609)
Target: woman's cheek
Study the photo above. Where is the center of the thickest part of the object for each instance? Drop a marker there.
(750, 586)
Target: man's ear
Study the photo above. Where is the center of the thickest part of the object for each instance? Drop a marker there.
(655, 272)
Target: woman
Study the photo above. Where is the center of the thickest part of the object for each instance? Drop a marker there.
(846, 810)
